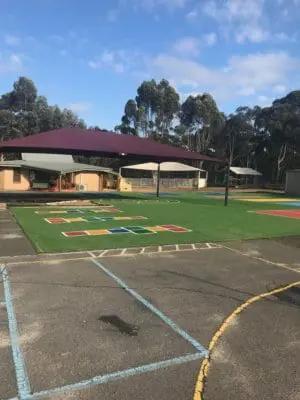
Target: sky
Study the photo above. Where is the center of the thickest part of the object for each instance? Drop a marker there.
(92, 55)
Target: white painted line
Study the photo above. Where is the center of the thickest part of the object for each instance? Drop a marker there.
(123, 252)
(103, 253)
(264, 260)
(177, 247)
(10, 236)
(20, 369)
(142, 251)
(151, 307)
(91, 254)
(159, 249)
(102, 379)
(194, 247)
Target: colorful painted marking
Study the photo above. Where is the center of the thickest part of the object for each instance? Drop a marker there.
(292, 204)
(109, 210)
(103, 209)
(56, 220)
(295, 214)
(137, 230)
(267, 199)
(92, 219)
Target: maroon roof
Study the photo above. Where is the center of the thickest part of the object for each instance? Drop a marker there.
(91, 142)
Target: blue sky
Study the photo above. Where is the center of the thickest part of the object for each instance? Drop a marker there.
(91, 55)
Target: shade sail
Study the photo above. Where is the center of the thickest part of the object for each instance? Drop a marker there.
(61, 163)
(244, 171)
(49, 158)
(165, 166)
(91, 142)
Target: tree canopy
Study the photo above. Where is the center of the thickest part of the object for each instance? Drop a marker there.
(23, 112)
(267, 139)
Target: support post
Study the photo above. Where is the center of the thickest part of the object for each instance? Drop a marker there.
(158, 180)
(227, 184)
(59, 183)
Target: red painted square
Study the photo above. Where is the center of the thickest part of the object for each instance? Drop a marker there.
(112, 210)
(170, 226)
(56, 220)
(178, 229)
(76, 233)
(295, 214)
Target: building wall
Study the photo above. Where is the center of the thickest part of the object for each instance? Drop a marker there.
(91, 179)
(1, 179)
(7, 181)
(292, 183)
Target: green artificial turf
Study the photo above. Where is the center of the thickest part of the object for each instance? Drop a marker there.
(207, 218)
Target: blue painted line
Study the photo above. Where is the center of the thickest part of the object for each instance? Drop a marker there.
(151, 307)
(21, 374)
(101, 379)
(290, 203)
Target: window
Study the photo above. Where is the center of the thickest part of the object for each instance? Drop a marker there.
(17, 176)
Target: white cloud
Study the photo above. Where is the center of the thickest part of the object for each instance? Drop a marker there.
(247, 91)
(15, 60)
(243, 18)
(190, 46)
(171, 4)
(280, 89)
(284, 37)
(11, 40)
(239, 10)
(118, 67)
(108, 57)
(192, 15)
(112, 15)
(245, 10)
(264, 101)
(262, 98)
(251, 33)
(94, 64)
(187, 46)
(240, 76)
(118, 60)
(80, 107)
(10, 63)
(57, 38)
(285, 12)
(210, 38)
(211, 9)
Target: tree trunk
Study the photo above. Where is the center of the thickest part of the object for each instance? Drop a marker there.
(280, 159)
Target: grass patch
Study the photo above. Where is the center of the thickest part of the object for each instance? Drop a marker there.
(208, 219)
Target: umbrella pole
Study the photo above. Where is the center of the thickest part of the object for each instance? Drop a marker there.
(227, 185)
(158, 180)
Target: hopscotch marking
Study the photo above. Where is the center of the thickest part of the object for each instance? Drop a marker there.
(58, 220)
(137, 230)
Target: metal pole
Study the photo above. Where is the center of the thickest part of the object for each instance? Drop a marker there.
(228, 170)
(158, 180)
(227, 184)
